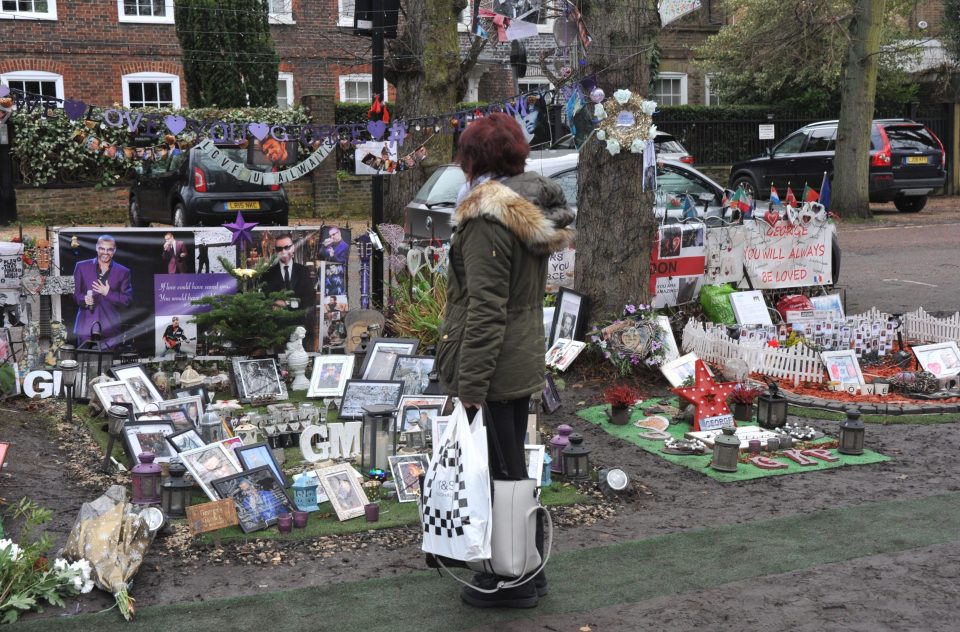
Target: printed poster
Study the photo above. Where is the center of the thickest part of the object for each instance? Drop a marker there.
(671, 10)
(724, 255)
(11, 256)
(174, 328)
(786, 255)
(677, 264)
(376, 158)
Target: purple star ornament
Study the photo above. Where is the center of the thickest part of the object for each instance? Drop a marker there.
(241, 231)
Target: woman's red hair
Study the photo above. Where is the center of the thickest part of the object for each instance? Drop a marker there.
(494, 144)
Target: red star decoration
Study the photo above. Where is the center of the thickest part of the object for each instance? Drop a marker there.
(708, 397)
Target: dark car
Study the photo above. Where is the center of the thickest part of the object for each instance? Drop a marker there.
(907, 163)
(191, 188)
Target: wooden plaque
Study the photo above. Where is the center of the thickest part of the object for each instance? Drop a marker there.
(212, 516)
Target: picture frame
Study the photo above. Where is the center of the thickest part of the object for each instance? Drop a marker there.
(551, 397)
(258, 378)
(443, 401)
(381, 355)
(260, 498)
(678, 371)
(533, 455)
(209, 463)
(183, 410)
(842, 366)
(437, 427)
(183, 440)
(942, 359)
(141, 386)
(259, 455)
(419, 415)
(343, 489)
(148, 436)
(193, 391)
(360, 393)
(414, 372)
(563, 352)
(330, 375)
(406, 470)
(568, 317)
(114, 392)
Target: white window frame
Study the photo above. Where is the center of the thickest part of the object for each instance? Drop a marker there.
(682, 76)
(708, 92)
(51, 13)
(359, 78)
(150, 77)
(466, 18)
(146, 19)
(34, 75)
(287, 78)
(538, 79)
(285, 17)
(344, 18)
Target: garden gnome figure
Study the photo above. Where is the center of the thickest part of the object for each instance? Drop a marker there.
(297, 360)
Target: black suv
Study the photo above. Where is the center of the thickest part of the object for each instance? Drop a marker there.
(907, 163)
(191, 188)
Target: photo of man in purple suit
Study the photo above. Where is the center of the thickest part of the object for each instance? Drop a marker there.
(102, 289)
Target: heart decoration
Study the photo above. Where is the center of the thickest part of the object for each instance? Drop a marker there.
(175, 124)
(436, 257)
(819, 211)
(377, 129)
(414, 261)
(793, 216)
(74, 109)
(653, 422)
(772, 217)
(259, 130)
(631, 338)
(806, 214)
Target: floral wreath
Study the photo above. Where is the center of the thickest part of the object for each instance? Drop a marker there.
(626, 120)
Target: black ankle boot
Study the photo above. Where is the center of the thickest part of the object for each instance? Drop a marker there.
(523, 596)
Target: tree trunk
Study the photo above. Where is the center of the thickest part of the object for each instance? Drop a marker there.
(851, 194)
(615, 221)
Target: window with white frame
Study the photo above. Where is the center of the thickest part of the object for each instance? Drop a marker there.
(281, 12)
(671, 88)
(146, 11)
(28, 9)
(151, 90)
(284, 90)
(358, 88)
(533, 84)
(541, 17)
(710, 96)
(47, 84)
(345, 12)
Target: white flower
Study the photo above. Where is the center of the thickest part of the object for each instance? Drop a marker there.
(12, 548)
(649, 107)
(613, 147)
(601, 135)
(60, 565)
(622, 96)
(598, 112)
(653, 132)
(637, 146)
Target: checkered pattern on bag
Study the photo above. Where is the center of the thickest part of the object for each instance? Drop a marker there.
(447, 522)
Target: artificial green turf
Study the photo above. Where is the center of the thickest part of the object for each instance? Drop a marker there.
(580, 580)
(701, 463)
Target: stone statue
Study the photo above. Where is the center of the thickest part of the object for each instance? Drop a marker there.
(297, 360)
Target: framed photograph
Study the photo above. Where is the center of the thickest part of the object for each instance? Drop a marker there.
(533, 455)
(114, 393)
(330, 375)
(141, 386)
(437, 427)
(563, 352)
(342, 487)
(184, 411)
(209, 463)
(381, 355)
(258, 378)
(842, 366)
(568, 317)
(193, 391)
(184, 440)
(259, 455)
(360, 393)
(680, 370)
(406, 470)
(259, 497)
(941, 359)
(414, 372)
(148, 436)
(551, 398)
(414, 418)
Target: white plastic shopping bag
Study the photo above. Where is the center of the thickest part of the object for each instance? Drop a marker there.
(455, 507)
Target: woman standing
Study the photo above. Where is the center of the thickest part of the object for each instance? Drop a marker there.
(491, 342)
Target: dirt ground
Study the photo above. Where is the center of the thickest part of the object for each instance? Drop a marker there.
(56, 466)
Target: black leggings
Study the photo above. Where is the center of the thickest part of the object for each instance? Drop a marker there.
(508, 423)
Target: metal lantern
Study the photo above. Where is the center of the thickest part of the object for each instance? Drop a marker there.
(118, 414)
(557, 443)
(772, 408)
(576, 458)
(93, 360)
(613, 481)
(726, 451)
(211, 427)
(305, 493)
(851, 434)
(377, 441)
(68, 378)
(146, 481)
(67, 352)
(175, 492)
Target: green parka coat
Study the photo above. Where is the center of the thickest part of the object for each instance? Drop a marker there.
(492, 340)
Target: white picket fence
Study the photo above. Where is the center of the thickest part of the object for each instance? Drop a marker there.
(920, 326)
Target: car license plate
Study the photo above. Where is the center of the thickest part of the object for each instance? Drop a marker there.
(918, 160)
(243, 206)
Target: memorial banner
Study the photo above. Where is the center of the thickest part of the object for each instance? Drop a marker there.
(785, 255)
(677, 264)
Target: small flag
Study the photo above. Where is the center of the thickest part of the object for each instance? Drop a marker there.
(809, 193)
(825, 192)
(774, 196)
(791, 198)
(673, 202)
(689, 207)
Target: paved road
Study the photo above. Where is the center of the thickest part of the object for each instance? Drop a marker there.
(903, 261)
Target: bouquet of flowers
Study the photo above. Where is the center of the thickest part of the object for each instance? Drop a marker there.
(631, 341)
(743, 394)
(621, 396)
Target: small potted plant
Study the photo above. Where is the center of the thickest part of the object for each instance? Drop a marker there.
(620, 397)
(742, 398)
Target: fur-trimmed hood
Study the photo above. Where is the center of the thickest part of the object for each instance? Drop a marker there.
(538, 217)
